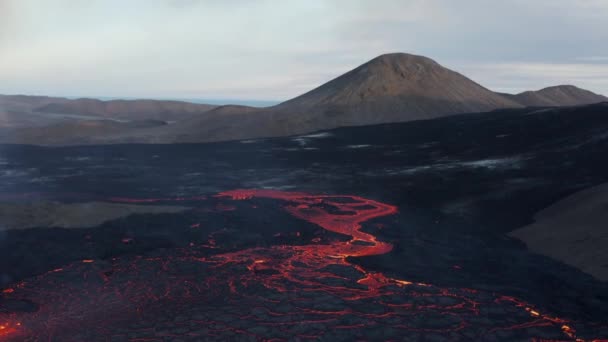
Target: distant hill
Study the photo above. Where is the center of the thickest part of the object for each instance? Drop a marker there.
(18, 111)
(390, 88)
(26, 102)
(394, 87)
(562, 95)
(127, 109)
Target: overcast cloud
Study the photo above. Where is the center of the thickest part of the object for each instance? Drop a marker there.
(278, 49)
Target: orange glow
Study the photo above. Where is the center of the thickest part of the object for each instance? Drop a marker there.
(403, 282)
(7, 329)
(262, 277)
(569, 331)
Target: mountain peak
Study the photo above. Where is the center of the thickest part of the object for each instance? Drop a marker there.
(400, 65)
(402, 58)
(562, 86)
(409, 86)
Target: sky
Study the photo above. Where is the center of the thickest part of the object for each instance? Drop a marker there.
(275, 50)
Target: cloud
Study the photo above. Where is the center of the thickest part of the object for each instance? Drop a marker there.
(6, 19)
(280, 49)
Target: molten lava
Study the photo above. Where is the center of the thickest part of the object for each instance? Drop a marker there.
(265, 293)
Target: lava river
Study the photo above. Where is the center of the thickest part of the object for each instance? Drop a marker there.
(275, 293)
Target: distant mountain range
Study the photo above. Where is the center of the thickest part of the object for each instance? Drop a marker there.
(390, 88)
(113, 109)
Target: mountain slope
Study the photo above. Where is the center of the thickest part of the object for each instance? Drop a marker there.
(23, 111)
(562, 95)
(417, 86)
(27, 102)
(390, 88)
(127, 109)
(395, 87)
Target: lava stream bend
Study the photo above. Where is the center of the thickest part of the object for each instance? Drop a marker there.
(264, 293)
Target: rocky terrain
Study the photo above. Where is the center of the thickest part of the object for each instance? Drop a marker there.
(32, 214)
(574, 231)
(395, 231)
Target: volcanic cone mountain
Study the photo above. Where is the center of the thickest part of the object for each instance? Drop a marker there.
(399, 87)
(390, 88)
(393, 87)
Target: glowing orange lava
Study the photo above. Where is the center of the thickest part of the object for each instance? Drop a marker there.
(7, 329)
(266, 293)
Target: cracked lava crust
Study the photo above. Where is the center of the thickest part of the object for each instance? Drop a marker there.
(276, 293)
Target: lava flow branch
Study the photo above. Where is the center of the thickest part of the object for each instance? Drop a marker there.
(265, 293)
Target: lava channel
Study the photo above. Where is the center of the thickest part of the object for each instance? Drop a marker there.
(278, 293)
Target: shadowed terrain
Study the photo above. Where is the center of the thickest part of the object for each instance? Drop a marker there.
(394, 231)
(70, 215)
(573, 230)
